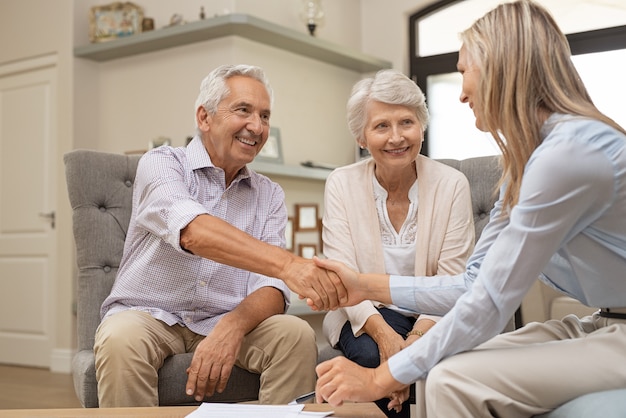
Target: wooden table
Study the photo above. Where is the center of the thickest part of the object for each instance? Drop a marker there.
(348, 410)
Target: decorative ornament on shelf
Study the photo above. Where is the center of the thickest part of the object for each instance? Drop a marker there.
(147, 24)
(177, 19)
(113, 21)
(312, 14)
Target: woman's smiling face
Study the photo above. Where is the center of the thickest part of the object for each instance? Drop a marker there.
(393, 135)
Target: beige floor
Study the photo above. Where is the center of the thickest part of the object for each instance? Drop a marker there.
(32, 388)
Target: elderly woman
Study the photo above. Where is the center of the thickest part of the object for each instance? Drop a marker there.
(398, 212)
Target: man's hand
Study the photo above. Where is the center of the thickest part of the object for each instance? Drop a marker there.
(340, 379)
(215, 356)
(213, 361)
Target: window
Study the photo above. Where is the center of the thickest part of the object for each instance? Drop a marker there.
(596, 38)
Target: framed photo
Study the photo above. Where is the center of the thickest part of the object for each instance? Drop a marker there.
(272, 151)
(113, 21)
(306, 217)
(307, 250)
(320, 227)
(289, 234)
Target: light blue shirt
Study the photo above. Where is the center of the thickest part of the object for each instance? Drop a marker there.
(172, 187)
(568, 229)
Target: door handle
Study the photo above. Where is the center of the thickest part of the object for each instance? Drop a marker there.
(50, 216)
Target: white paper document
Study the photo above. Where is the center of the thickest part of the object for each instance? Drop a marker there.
(230, 410)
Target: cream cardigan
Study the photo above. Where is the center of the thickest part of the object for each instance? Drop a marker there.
(351, 233)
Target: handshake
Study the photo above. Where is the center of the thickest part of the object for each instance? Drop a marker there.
(328, 284)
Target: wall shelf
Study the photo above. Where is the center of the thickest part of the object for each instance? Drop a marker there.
(237, 24)
(292, 171)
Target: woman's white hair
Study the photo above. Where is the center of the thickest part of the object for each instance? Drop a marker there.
(387, 86)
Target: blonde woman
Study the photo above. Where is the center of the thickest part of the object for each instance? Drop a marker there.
(560, 217)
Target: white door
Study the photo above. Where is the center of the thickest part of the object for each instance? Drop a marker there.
(27, 204)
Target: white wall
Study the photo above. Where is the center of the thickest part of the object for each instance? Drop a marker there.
(120, 105)
(151, 95)
(32, 28)
(385, 29)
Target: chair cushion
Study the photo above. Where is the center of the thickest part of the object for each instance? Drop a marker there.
(605, 404)
(242, 385)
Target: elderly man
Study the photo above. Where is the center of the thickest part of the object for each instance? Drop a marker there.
(202, 258)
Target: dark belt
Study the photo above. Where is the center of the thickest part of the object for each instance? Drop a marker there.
(615, 313)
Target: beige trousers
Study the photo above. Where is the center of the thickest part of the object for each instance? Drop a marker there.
(528, 371)
(131, 346)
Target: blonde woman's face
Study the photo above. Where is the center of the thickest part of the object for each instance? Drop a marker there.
(471, 77)
(393, 134)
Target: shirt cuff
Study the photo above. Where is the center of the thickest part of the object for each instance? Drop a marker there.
(401, 291)
(257, 281)
(182, 215)
(402, 368)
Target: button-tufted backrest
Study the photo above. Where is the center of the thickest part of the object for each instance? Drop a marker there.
(100, 188)
(483, 174)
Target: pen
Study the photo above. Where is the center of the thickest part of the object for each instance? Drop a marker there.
(304, 398)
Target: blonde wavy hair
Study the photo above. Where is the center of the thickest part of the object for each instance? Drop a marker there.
(526, 74)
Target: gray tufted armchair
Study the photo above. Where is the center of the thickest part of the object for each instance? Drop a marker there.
(100, 191)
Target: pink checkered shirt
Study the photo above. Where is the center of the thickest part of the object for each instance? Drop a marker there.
(172, 187)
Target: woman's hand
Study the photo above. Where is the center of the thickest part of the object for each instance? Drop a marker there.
(388, 340)
(398, 398)
(360, 287)
(340, 379)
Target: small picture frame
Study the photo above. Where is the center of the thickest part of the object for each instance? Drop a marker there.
(307, 250)
(320, 227)
(113, 21)
(306, 217)
(289, 234)
(272, 151)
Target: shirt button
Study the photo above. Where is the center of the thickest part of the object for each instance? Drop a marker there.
(202, 283)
